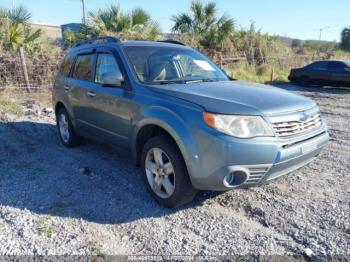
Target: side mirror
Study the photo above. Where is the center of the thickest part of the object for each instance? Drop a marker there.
(112, 79)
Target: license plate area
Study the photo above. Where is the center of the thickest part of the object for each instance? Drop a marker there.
(307, 148)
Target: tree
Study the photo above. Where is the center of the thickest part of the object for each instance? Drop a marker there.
(202, 22)
(15, 29)
(136, 24)
(345, 39)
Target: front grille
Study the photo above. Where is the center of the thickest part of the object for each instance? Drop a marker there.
(296, 127)
(256, 173)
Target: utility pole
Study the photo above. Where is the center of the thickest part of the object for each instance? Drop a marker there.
(321, 31)
(84, 17)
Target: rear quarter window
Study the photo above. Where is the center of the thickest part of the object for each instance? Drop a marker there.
(67, 65)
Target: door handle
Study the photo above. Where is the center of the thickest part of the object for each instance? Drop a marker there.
(91, 94)
(66, 88)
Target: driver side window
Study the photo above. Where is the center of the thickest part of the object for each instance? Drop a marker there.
(106, 63)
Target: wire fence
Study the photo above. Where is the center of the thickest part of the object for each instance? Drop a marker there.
(41, 71)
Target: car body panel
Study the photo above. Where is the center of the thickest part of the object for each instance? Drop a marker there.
(238, 97)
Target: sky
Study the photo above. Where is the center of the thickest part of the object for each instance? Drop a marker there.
(293, 18)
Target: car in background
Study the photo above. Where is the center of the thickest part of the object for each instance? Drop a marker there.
(322, 73)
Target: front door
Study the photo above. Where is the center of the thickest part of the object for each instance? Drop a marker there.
(111, 107)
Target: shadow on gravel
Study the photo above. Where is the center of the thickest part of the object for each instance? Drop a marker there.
(38, 174)
(311, 89)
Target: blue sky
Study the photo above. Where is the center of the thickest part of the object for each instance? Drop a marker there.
(293, 18)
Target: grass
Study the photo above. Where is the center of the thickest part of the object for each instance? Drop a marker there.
(45, 227)
(11, 107)
(11, 100)
(258, 74)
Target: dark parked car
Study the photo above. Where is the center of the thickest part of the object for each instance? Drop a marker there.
(332, 73)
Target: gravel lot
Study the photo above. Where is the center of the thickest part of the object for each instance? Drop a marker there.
(49, 207)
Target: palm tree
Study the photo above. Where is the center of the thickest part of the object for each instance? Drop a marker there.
(345, 39)
(135, 24)
(202, 22)
(15, 29)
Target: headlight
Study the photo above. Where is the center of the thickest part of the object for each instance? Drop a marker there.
(239, 126)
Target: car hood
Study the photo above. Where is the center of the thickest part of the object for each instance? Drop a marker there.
(238, 97)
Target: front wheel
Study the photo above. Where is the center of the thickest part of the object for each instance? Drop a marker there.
(165, 174)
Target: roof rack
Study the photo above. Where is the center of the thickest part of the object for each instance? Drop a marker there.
(98, 40)
(172, 42)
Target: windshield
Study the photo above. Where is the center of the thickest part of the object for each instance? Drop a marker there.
(167, 65)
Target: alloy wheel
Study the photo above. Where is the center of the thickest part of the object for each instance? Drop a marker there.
(160, 173)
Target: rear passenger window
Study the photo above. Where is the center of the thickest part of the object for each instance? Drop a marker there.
(67, 65)
(106, 63)
(83, 67)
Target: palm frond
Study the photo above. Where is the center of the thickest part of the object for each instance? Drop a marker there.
(19, 15)
(182, 23)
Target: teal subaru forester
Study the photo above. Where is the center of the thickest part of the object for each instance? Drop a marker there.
(186, 123)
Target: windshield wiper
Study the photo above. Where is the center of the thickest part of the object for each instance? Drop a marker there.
(202, 80)
(167, 82)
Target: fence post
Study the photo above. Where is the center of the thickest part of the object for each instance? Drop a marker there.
(272, 76)
(24, 67)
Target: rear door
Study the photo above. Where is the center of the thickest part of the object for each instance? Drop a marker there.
(318, 72)
(78, 86)
(340, 73)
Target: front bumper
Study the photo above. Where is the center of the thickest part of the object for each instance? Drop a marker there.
(263, 160)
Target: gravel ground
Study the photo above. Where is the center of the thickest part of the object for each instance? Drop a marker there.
(49, 207)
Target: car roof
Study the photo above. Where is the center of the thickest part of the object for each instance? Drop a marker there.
(331, 60)
(127, 44)
(151, 43)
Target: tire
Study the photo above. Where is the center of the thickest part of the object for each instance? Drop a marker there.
(66, 130)
(158, 175)
(305, 81)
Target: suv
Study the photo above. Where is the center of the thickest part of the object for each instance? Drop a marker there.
(186, 123)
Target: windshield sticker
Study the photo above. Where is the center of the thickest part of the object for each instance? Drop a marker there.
(204, 65)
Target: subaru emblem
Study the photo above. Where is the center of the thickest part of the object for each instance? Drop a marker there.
(303, 117)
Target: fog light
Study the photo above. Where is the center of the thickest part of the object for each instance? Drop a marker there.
(236, 177)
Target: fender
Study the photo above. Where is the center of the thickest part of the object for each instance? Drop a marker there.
(174, 125)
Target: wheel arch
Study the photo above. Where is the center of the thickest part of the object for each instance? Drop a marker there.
(165, 122)
(58, 106)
